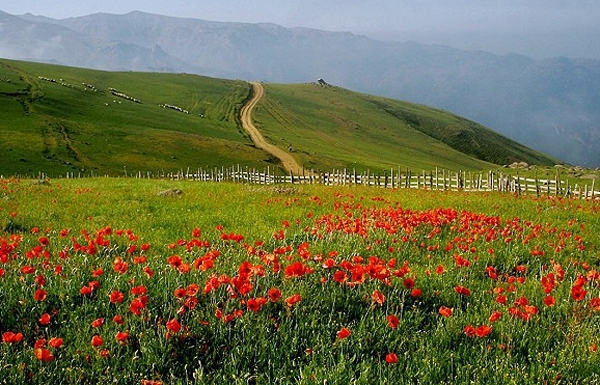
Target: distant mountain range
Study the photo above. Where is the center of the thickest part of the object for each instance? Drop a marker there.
(551, 105)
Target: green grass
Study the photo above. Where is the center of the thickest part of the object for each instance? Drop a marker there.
(73, 129)
(398, 234)
(56, 129)
(335, 128)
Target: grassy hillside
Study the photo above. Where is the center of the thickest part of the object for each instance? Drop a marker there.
(334, 127)
(56, 128)
(60, 119)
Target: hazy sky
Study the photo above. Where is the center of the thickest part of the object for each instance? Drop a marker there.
(538, 28)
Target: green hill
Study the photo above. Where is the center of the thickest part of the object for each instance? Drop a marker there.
(60, 119)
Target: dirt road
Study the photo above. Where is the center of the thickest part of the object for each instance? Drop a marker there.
(289, 163)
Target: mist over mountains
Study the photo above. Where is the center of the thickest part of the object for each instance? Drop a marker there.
(551, 105)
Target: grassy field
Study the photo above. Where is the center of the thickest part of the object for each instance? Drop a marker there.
(107, 280)
(335, 128)
(60, 120)
(56, 128)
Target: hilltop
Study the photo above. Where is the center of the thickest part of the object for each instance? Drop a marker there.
(59, 119)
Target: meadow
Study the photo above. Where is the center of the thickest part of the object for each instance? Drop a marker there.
(106, 280)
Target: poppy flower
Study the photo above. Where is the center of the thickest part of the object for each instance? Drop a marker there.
(462, 290)
(43, 354)
(11, 338)
(97, 341)
(495, 316)
(391, 358)
(55, 342)
(97, 322)
(549, 301)
(343, 333)
(483, 331)
(173, 325)
(40, 295)
(578, 292)
(378, 297)
(118, 319)
(116, 297)
(445, 311)
(274, 294)
(393, 321)
(44, 319)
(122, 337)
(292, 300)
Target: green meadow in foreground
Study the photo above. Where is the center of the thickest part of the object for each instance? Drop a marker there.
(128, 281)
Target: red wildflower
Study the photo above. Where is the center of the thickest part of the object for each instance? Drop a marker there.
(40, 295)
(45, 319)
(97, 341)
(495, 316)
(469, 330)
(274, 294)
(173, 325)
(391, 358)
(11, 338)
(97, 322)
(43, 354)
(343, 333)
(416, 292)
(549, 301)
(462, 290)
(116, 297)
(292, 300)
(378, 297)
(122, 337)
(578, 292)
(55, 342)
(393, 321)
(483, 331)
(118, 319)
(445, 311)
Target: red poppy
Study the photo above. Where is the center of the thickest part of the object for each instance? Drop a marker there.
(118, 319)
(445, 311)
(393, 321)
(43, 354)
(274, 294)
(483, 331)
(495, 316)
(40, 295)
(45, 319)
(378, 297)
(97, 341)
(462, 290)
(11, 338)
(549, 301)
(416, 292)
(122, 337)
(173, 325)
(55, 342)
(343, 333)
(97, 322)
(578, 292)
(116, 297)
(293, 299)
(469, 330)
(391, 358)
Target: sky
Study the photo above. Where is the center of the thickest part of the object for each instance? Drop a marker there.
(536, 28)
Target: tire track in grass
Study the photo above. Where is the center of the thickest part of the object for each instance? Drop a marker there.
(287, 160)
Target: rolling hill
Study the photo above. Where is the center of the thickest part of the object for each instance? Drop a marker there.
(551, 105)
(60, 119)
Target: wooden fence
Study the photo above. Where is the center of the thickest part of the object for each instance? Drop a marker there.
(394, 178)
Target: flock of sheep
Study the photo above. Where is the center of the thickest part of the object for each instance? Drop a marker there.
(115, 92)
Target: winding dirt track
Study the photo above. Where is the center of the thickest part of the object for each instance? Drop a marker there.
(289, 163)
